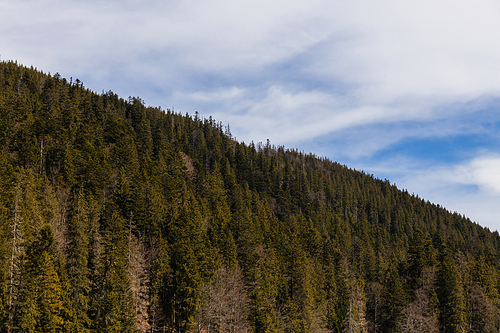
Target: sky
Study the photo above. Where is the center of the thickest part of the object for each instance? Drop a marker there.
(405, 90)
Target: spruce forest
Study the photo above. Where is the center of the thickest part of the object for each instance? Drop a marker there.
(118, 217)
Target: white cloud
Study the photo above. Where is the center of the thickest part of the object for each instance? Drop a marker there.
(215, 35)
(427, 48)
(215, 96)
(285, 116)
(483, 171)
(210, 35)
(280, 115)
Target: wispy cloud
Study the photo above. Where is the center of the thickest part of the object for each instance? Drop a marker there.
(215, 96)
(482, 171)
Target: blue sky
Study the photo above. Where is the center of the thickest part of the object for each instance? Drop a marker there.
(404, 90)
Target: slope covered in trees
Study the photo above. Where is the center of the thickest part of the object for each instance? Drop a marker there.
(117, 217)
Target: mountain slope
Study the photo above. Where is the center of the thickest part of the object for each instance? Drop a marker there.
(115, 216)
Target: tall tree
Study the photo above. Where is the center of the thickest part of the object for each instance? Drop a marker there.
(187, 252)
(451, 297)
(77, 261)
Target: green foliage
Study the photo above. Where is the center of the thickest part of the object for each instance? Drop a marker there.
(394, 299)
(452, 301)
(42, 306)
(115, 216)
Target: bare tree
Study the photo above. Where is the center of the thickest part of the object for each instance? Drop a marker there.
(139, 280)
(225, 303)
(355, 321)
(483, 314)
(14, 269)
(374, 292)
(418, 317)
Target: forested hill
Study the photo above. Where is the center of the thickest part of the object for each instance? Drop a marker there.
(117, 217)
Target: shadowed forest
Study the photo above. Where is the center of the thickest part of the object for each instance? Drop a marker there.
(118, 217)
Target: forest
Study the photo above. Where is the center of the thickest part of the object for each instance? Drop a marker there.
(120, 217)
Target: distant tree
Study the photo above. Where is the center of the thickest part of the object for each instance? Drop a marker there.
(355, 321)
(14, 263)
(137, 272)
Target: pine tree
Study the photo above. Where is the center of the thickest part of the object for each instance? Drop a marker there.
(51, 309)
(187, 251)
(42, 307)
(268, 281)
(77, 261)
(114, 306)
(394, 299)
(451, 297)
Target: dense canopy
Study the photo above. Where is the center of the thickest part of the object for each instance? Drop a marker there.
(117, 217)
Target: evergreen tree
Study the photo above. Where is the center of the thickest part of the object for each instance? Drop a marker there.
(42, 306)
(186, 254)
(394, 299)
(77, 262)
(451, 297)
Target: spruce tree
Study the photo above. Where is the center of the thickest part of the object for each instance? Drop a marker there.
(451, 297)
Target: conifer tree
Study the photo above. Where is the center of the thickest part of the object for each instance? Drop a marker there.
(42, 306)
(77, 261)
(394, 299)
(51, 309)
(187, 251)
(113, 308)
(451, 297)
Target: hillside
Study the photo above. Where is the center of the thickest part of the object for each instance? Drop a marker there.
(117, 217)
